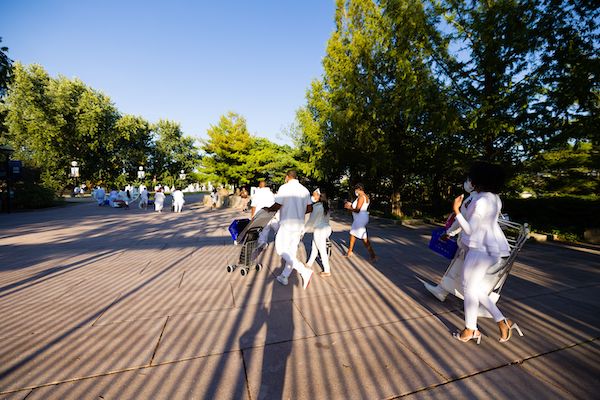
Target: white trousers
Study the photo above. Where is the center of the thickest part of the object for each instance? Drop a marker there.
(273, 225)
(286, 245)
(319, 246)
(474, 290)
(178, 205)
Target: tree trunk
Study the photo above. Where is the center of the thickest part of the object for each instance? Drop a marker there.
(397, 204)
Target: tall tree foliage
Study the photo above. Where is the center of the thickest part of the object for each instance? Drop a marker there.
(413, 91)
(379, 114)
(5, 78)
(53, 121)
(172, 151)
(234, 156)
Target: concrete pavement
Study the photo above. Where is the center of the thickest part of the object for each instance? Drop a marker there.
(128, 304)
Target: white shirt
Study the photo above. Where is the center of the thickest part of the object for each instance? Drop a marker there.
(262, 197)
(293, 198)
(178, 196)
(318, 219)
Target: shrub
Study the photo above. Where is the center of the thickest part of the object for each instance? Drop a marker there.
(563, 215)
(31, 196)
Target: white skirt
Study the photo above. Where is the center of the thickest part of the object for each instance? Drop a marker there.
(359, 225)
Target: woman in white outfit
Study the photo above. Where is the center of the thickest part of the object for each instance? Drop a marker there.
(318, 223)
(159, 200)
(486, 244)
(360, 215)
(144, 198)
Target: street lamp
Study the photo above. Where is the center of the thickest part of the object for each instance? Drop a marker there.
(182, 175)
(7, 151)
(141, 173)
(74, 171)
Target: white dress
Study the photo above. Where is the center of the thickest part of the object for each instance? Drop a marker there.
(159, 201)
(361, 219)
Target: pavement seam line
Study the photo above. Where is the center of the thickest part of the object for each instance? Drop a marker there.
(232, 294)
(245, 374)
(159, 338)
(181, 280)
(418, 355)
(304, 318)
(518, 362)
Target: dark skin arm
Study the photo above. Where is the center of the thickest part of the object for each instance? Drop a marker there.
(277, 206)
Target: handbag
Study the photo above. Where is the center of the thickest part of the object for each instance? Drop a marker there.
(446, 248)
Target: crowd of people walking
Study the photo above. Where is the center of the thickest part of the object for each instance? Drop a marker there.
(481, 240)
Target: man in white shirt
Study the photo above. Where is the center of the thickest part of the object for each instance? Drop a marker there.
(262, 197)
(293, 202)
(178, 200)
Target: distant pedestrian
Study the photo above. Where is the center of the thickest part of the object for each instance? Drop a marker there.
(144, 198)
(178, 200)
(100, 195)
(360, 215)
(245, 198)
(214, 197)
(159, 200)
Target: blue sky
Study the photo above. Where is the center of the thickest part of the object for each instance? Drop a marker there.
(188, 61)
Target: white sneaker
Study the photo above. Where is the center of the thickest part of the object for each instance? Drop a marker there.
(282, 279)
(306, 275)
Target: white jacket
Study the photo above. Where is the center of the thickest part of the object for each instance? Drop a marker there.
(480, 228)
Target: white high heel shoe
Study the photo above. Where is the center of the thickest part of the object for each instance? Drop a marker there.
(476, 335)
(511, 326)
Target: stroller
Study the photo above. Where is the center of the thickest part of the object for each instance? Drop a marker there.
(245, 233)
(451, 282)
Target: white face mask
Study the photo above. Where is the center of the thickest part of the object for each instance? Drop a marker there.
(468, 186)
(315, 199)
(356, 193)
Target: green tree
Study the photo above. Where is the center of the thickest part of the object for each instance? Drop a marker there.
(172, 151)
(227, 151)
(379, 115)
(5, 78)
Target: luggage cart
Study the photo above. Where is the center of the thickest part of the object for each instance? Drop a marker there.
(244, 233)
(451, 282)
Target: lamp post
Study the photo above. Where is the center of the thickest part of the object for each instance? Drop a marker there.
(7, 151)
(182, 175)
(141, 173)
(74, 171)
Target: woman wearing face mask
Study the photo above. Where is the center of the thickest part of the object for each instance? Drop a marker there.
(486, 244)
(454, 274)
(318, 223)
(360, 215)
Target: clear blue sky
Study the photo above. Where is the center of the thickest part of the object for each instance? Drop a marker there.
(188, 61)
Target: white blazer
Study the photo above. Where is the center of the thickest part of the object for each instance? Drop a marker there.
(481, 230)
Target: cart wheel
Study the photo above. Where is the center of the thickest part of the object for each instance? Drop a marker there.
(244, 271)
(259, 267)
(230, 268)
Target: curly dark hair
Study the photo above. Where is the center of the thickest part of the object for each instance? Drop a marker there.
(487, 177)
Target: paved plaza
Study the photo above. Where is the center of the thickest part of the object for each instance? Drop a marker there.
(100, 303)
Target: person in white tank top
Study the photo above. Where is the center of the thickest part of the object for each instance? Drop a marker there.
(360, 215)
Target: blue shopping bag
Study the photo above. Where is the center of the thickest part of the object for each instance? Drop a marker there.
(447, 248)
(237, 226)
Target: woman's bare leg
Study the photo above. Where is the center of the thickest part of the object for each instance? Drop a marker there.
(351, 246)
(370, 249)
